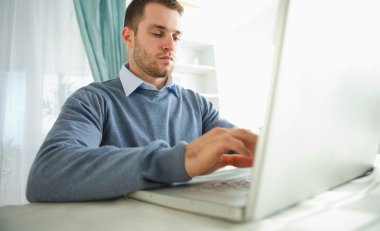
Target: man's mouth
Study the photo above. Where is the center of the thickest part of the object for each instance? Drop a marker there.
(166, 58)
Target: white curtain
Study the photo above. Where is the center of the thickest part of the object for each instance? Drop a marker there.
(42, 62)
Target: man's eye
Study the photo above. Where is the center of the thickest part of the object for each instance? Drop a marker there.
(176, 38)
(158, 35)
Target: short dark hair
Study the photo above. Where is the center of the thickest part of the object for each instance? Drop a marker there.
(135, 11)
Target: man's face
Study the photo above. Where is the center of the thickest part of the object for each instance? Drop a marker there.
(153, 46)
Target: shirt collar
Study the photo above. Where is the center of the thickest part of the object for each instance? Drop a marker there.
(131, 82)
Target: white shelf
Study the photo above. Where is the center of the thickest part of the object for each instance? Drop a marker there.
(194, 69)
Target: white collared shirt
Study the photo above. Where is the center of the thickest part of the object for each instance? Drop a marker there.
(131, 82)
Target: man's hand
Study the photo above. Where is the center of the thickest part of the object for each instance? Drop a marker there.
(207, 153)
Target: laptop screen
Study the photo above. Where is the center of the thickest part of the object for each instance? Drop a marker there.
(322, 125)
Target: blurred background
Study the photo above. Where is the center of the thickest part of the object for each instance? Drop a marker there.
(48, 51)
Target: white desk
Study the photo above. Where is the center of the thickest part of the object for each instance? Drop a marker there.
(344, 208)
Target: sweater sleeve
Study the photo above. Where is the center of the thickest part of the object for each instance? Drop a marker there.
(211, 117)
(71, 165)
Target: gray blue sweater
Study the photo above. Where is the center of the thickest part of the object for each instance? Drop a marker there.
(105, 144)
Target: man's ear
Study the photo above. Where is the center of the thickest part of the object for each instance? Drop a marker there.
(128, 36)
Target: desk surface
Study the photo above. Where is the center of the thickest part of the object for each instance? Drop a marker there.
(354, 206)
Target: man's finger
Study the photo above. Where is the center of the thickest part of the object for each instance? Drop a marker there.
(237, 160)
(249, 138)
(232, 143)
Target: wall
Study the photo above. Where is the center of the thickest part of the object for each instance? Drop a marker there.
(242, 32)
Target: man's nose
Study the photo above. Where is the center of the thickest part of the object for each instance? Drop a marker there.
(169, 44)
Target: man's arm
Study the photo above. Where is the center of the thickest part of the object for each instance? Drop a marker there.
(72, 166)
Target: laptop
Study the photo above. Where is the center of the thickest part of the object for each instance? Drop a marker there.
(322, 125)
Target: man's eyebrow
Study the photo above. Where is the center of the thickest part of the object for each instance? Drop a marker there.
(163, 28)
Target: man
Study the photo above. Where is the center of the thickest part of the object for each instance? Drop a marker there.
(139, 130)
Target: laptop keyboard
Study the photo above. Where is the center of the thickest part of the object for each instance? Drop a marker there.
(226, 185)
